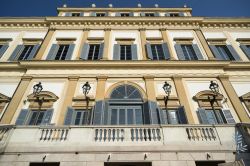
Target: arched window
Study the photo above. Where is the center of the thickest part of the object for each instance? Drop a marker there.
(125, 106)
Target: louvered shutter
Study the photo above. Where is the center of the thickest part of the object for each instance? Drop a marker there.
(246, 50)
(68, 117)
(33, 52)
(202, 116)
(216, 52)
(146, 113)
(47, 117)
(116, 52)
(182, 115)
(105, 113)
(166, 51)
(197, 52)
(234, 53)
(149, 51)
(16, 53)
(228, 116)
(21, 120)
(100, 54)
(70, 52)
(163, 118)
(98, 112)
(179, 52)
(53, 51)
(134, 52)
(85, 51)
(155, 119)
(3, 49)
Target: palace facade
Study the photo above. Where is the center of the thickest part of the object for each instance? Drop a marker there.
(124, 87)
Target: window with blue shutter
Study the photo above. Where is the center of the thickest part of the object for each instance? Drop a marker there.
(52, 52)
(126, 52)
(61, 52)
(245, 49)
(225, 52)
(21, 119)
(24, 52)
(3, 48)
(40, 117)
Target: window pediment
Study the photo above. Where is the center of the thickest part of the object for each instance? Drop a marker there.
(208, 99)
(46, 95)
(4, 98)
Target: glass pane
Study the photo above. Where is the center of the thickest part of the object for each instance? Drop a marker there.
(122, 116)
(78, 118)
(33, 118)
(211, 117)
(85, 117)
(40, 117)
(165, 117)
(172, 116)
(138, 116)
(114, 116)
(130, 116)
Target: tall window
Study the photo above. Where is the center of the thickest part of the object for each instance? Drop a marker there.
(224, 52)
(124, 14)
(36, 117)
(157, 52)
(93, 51)
(26, 52)
(81, 117)
(125, 53)
(62, 52)
(189, 52)
(149, 14)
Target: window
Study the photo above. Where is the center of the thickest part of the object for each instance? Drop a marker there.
(125, 53)
(189, 52)
(62, 52)
(81, 117)
(100, 14)
(125, 15)
(76, 14)
(26, 52)
(225, 52)
(174, 14)
(246, 49)
(1, 46)
(149, 14)
(36, 117)
(174, 116)
(93, 51)
(157, 52)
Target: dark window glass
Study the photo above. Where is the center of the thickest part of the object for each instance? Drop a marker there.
(62, 52)
(1, 46)
(157, 52)
(170, 116)
(149, 14)
(124, 14)
(130, 116)
(248, 46)
(100, 14)
(138, 116)
(189, 52)
(36, 117)
(93, 51)
(224, 52)
(122, 116)
(81, 117)
(26, 52)
(174, 14)
(114, 116)
(125, 53)
(125, 92)
(75, 14)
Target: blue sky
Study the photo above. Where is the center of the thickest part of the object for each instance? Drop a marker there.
(209, 8)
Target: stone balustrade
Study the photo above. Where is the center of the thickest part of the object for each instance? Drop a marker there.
(54, 133)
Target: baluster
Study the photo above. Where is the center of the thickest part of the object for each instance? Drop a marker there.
(150, 134)
(62, 134)
(50, 133)
(208, 134)
(46, 133)
(122, 135)
(104, 135)
(42, 134)
(54, 134)
(154, 134)
(118, 134)
(201, 134)
(138, 134)
(132, 134)
(109, 135)
(66, 134)
(192, 134)
(204, 133)
(196, 133)
(188, 133)
(113, 135)
(96, 134)
(158, 134)
(100, 134)
(58, 134)
(212, 133)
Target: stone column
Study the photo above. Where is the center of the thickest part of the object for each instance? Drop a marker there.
(45, 44)
(106, 44)
(183, 98)
(70, 92)
(150, 88)
(143, 43)
(16, 99)
(84, 38)
(100, 89)
(167, 40)
(204, 44)
(238, 107)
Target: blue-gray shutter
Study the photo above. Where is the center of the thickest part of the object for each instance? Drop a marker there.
(85, 51)
(157, 14)
(98, 112)
(197, 52)
(68, 117)
(149, 51)
(131, 14)
(167, 14)
(16, 52)
(33, 52)
(155, 116)
(82, 14)
(234, 53)
(211, 117)
(202, 116)
(21, 120)
(179, 52)
(134, 52)
(146, 113)
(93, 14)
(163, 119)
(68, 14)
(117, 14)
(142, 14)
(100, 54)
(228, 116)
(218, 116)
(70, 52)
(182, 115)
(47, 117)
(166, 51)
(216, 52)
(116, 52)
(181, 14)
(105, 113)
(3, 49)
(52, 52)
(246, 50)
